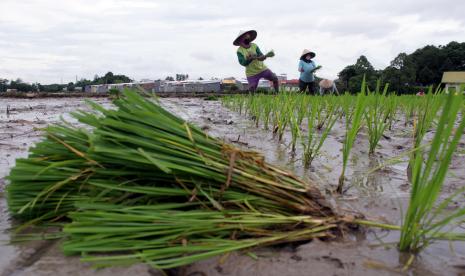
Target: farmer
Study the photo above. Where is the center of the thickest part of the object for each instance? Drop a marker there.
(252, 58)
(306, 68)
(327, 85)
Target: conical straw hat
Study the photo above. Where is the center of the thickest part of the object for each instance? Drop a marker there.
(306, 51)
(252, 33)
(326, 84)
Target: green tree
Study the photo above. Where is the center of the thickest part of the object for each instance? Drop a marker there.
(447, 65)
(3, 85)
(426, 76)
(400, 74)
(110, 78)
(70, 87)
(352, 75)
(182, 77)
(363, 66)
(346, 74)
(19, 85)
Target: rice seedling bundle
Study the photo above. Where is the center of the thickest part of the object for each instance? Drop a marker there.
(167, 236)
(141, 182)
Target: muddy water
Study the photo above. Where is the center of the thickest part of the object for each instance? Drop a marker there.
(381, 196)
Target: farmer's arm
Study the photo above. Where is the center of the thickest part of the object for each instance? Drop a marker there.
(260, 55)
(315, 67)
(311, 67)
(301, 67)
(243, 60)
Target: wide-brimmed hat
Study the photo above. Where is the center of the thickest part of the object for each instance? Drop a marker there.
(325, 83)
(306, 52)
(252, 33)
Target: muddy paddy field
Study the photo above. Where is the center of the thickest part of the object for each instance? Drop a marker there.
(380, 196)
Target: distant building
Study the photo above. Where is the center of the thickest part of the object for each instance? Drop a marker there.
(186, 86)
(454, 80)
(282, 77)
(290, 85)
(231, 84)
(210, 86)
(264, 84)
(243, 84)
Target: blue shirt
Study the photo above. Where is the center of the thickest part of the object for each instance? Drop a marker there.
(307, 74)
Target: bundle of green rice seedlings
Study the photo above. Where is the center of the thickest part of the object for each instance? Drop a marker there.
(144, 184)
(141, 154)
(171, 235)
(52, 165)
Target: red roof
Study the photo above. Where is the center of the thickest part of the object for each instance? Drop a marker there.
(295, 81)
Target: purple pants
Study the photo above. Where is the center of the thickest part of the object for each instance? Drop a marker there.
(267, 75)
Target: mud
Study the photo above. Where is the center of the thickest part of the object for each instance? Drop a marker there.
(380, 195)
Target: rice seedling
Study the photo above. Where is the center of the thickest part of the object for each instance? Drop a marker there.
(321, 117)
(283, 119)
(312, 143)
(409, 109)
(302, 102)
(267, 108)
(425, 218)
(375, 116)
(295, 132)
(391, 112)
(427, 112)
(353, 124)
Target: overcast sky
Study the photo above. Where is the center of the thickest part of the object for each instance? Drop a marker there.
(49, 40)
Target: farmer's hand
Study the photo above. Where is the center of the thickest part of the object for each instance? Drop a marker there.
(270, 54)
(261, 58)
(316, 68)
(251, 57)
(301, 70)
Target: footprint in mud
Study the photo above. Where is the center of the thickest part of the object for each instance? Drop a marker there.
(332, 260)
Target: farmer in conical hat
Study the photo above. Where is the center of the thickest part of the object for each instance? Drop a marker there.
(252, 58)
(307, 68)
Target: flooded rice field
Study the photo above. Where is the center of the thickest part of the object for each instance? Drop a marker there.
(381, 195)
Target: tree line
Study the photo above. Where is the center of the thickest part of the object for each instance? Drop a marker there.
(406, 73)
(19, 85)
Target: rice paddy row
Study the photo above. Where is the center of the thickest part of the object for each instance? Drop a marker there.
(310, 119)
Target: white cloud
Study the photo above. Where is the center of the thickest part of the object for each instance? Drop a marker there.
(46, 40)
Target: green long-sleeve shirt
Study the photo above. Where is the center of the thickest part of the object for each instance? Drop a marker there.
(252, 67)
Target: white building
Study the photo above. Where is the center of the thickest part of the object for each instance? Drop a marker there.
(454, 80)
